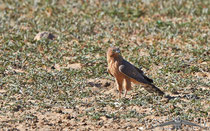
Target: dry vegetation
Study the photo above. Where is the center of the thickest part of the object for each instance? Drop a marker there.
(63, 83)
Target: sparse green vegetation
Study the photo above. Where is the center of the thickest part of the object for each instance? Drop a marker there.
(46, 84)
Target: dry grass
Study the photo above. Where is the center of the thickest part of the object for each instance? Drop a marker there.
(63, 83)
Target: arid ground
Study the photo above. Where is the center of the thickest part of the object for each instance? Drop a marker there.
(63, 83)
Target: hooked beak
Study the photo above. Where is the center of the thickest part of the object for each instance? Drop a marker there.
(117, 50)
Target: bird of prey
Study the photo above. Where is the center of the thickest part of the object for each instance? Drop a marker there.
(125, 73)
(177, 123)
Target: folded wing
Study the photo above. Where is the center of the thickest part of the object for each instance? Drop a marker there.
(132, 72)
(145, 77)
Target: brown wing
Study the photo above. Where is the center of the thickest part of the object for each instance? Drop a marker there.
(131, 71)
(145, 77)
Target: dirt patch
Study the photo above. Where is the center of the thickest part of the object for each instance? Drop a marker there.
(75, 66)
(100, 83)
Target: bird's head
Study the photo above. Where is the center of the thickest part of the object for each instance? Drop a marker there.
(113, 51)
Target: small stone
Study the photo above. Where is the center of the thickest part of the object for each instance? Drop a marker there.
(44, 35)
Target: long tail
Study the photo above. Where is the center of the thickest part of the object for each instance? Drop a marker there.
(151, 88)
